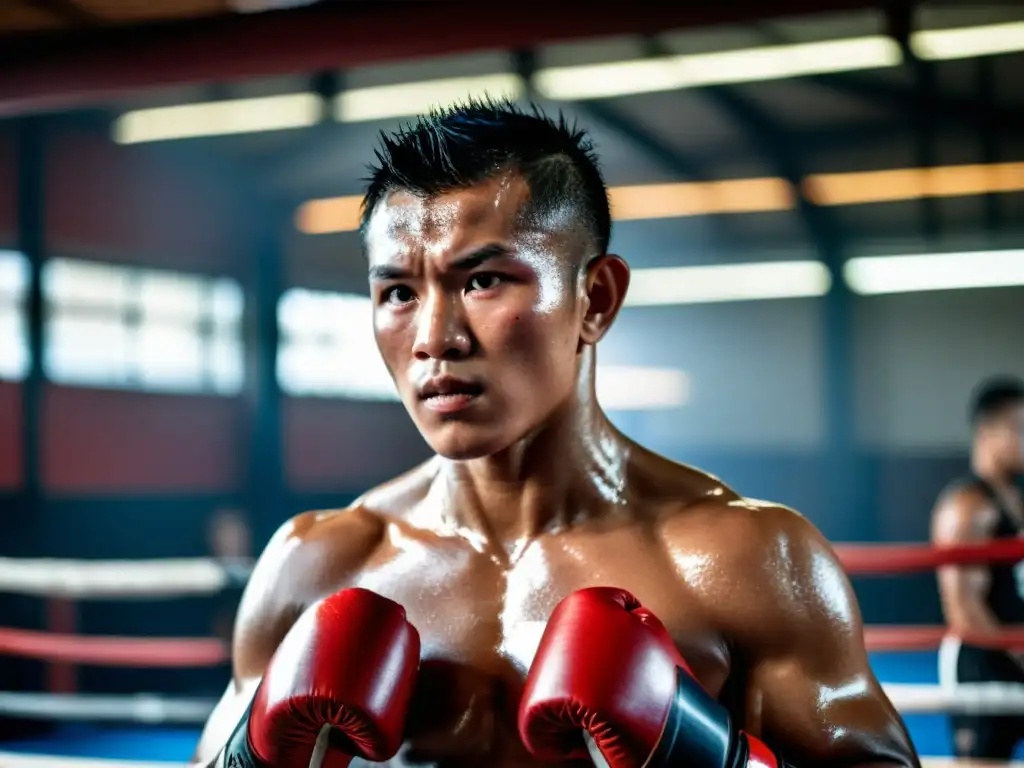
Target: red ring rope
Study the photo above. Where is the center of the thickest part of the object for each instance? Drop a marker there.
(894, 559)
(928, 638)
(207, 652)
(114, 651)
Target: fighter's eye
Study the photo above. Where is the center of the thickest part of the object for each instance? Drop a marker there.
(398, 294)
(484, 281)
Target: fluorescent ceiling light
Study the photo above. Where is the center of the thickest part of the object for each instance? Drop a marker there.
(218, 118)
(409, 99)
(330, 214)
(670, 73)
(934, 272)
(633, 202)
(728, 282)
(913, 183)
(968, 42)
(638, 388)
(663, 201)
(568, 83)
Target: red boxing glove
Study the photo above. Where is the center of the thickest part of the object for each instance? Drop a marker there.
(607, 667)
(339, 686)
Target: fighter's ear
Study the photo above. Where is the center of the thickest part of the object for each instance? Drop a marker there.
(606, 282)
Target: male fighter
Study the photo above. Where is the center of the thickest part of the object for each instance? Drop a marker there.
(986, 504)
(723, 624)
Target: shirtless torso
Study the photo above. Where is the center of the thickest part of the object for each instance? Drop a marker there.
(749, 591)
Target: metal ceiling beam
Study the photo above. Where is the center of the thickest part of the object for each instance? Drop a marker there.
(598, 112)
(68, 11)
(773, 143)
(681, 165)
(975, 113)
(605, 113)
(59, 70)
(189, 154)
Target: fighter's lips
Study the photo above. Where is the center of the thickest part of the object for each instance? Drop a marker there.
(449, 386)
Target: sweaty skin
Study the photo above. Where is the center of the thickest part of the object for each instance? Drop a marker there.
(534, 494)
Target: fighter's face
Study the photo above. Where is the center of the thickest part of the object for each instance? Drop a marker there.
(477, 314)
(1005, 436)
(1012, 443)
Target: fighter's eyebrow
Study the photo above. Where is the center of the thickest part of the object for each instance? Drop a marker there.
(472, 261)
(481, 256)
(385, 272)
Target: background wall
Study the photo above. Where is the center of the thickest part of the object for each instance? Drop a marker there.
(124, 470)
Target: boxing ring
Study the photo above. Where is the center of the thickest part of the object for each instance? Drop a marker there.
(150, 730)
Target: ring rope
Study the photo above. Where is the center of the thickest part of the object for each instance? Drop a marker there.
(963, 699)
(928, 638)
(969, 698)
(112, 651)
(109, 651)
(13, 760)
(150, 709)
(79, 579)
(898, 559)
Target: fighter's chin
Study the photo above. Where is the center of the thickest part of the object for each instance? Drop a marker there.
(464, 442)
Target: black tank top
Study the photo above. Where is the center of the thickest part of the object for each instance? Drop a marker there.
(1006, 591)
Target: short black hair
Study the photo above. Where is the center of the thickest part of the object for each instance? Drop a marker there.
(462, 145)
(993, 396)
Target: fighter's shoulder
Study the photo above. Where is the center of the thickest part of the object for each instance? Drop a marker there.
(353, 531)
(756, 561)
(739, 525)
(964, 498)
(699, 511)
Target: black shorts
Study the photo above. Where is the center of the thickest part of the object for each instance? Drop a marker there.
(986, 736)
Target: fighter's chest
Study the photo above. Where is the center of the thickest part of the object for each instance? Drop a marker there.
(486, 617)
(480, 622)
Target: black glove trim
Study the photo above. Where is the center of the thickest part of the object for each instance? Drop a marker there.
(237, 752)
(698, 731)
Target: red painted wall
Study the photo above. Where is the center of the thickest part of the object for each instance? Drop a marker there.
(136, 205)
(8, 190)
(107, 441)
(10, 436)
(334, 445)
(140, 204)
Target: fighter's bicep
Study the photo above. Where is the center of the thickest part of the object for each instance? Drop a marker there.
(820, 701)
(811, 692)
(260, 612)
(263, 618)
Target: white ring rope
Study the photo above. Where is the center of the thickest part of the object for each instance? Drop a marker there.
(11, 760)
(963, 699)
(83, 579)
(977, 699)
(150, 709)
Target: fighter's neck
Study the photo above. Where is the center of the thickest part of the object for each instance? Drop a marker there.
(574, 465)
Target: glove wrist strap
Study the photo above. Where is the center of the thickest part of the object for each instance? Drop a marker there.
(237, 752)
(699, 732)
